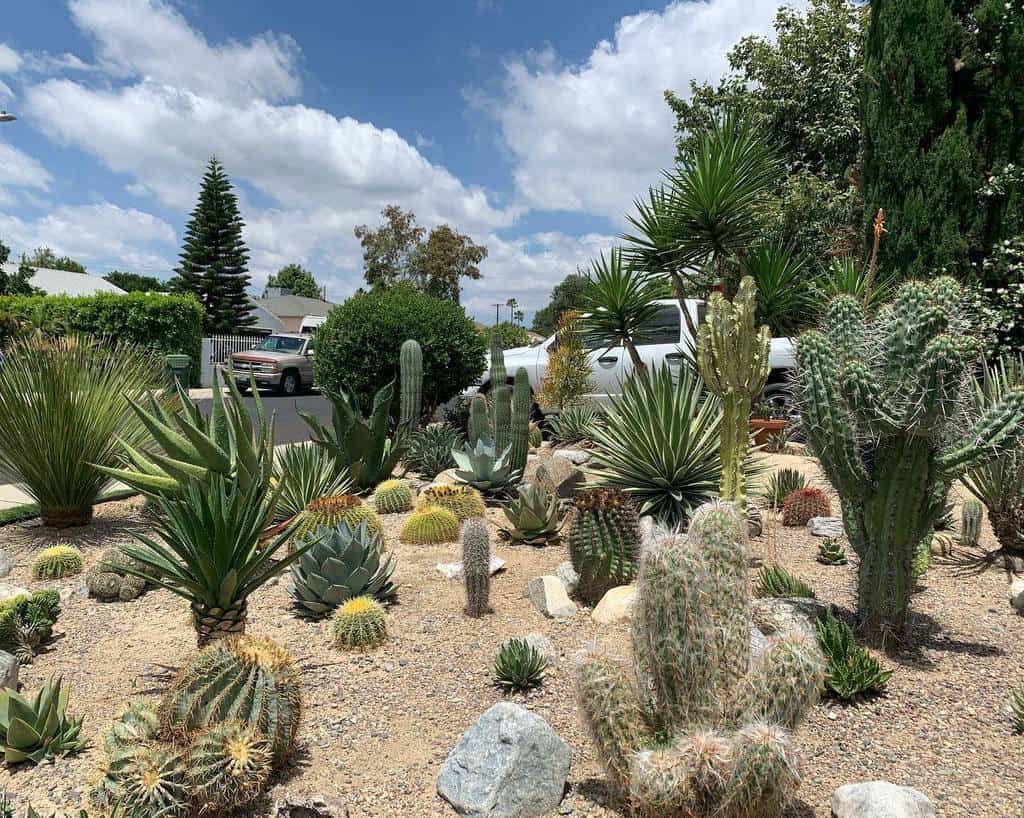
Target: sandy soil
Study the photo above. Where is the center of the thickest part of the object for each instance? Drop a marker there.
(378, 725)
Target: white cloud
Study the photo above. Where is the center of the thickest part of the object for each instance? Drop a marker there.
(9, 59)
(100, 236)
(18, 169)
(594, 136)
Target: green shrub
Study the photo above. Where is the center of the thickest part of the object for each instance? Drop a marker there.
(510, 335)
(776, 581)
(850, 670)
(519, 665)
(358, 346)
(165, 324)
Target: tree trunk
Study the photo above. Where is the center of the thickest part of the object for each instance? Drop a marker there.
(57, 517)
(634, 356)
(218, 623)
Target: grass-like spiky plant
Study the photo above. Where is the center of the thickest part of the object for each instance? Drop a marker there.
(800, 505)
(359, 624)
(392, 497)
(430, 525)
(462, 501)
(604, 541)
(850, 671)
(306, 473)
(57, 562)
(64, 407)
(228, 766)
(776, 581)
(576, 424)
(697, 728)
(245, 679)
(39, 727)
(884, 411)
(519, 666)
(781, 484)
(1017, 707)
(476, 565)
(430, 448)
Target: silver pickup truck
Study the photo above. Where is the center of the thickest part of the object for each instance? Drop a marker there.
(282, 361)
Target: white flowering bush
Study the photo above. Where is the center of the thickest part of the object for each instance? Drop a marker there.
(999, 300)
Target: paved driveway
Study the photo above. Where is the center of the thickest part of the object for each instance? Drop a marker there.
(288, 426)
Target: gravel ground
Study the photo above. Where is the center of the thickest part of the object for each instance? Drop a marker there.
(378, 725)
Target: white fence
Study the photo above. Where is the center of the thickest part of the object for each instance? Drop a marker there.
(217, 347)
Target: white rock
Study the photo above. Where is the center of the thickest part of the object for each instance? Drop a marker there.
(615, 606)
(1017, 595)
(880, 799)
(573, 455)
(310, 806)
(453, 570)
(544, 646)
(5, 564)
(772, 616)
(548, 595)
(570, 579)
(825, 526)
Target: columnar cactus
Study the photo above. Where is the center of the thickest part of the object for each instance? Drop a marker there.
(520, 433)
(604, 541)
(883, 410)
(411, 370)
(502, 412)
(479, 425)
(699, 728)
(476, 565)
(732, 354)
(970, 522)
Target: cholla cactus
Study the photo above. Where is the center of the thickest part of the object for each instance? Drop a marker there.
(884, 410)
(970, 522)
(697, 728)
(732, 354)
(476, 565)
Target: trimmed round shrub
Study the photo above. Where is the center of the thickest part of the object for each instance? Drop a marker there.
(358, 345)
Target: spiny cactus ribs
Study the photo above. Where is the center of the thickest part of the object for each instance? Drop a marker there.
(604, 541)
(429, 525)
(696, 728)
(360, 624)
(476, 566)
(462, 501)
(329, 511)
(801, 505)
(884, 410)
(392, 497)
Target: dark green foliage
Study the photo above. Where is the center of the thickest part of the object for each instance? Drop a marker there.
(566, 295)
(510, 335)
(604, 541)
(166, 324)
(943, 131)
(780, 275)
(19, 282)
(306, 472)
(519, 666)
(776, 581)
(358, 346)
(135, 283)
(296, 278)
(430, 449)
(47, 259)
(851, 672)
(575, 424)
(26, 623)
(214, 258)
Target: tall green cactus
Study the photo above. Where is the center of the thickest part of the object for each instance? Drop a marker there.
(970, 522)
(732, 354)
(502, 411)
(604, 541)
(883, 410)
(698, 728)
(479, 425)
(476, 565)
(520, 432)
(410, 362)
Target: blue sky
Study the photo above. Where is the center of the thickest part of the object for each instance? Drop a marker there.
(529, 125)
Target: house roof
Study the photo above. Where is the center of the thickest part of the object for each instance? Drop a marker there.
(265, 319)
(294, 305)
(63, 282)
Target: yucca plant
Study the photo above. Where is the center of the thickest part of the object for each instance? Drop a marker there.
(534, 517)
(781, 484)
(37, 728)
(783, 302)
(305, 473)
(776, 581)
(850, 670)
(577, 423)
(519, 666)
(63, 411)
(430, 449)
(660, 442)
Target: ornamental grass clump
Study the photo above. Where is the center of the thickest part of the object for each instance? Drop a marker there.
(696, 726)
(850, 671)
(306, 473)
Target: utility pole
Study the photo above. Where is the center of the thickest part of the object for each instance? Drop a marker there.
(497, 313)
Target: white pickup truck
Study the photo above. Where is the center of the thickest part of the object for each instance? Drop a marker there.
(667, 337)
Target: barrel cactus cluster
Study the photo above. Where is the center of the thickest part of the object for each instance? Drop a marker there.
(697, 726)
(461, 500)
(604, 541)
(359, 624)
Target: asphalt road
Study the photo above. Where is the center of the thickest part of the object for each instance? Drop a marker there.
(288, 426)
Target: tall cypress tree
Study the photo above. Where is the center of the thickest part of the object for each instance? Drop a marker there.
(943, 130)
(214, 257)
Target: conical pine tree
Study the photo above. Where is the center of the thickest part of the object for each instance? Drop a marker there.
(214, 258)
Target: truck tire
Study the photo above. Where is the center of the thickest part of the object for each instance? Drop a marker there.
(291, 383)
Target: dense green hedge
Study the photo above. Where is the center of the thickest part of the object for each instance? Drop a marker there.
(165, 323)
(358, 345)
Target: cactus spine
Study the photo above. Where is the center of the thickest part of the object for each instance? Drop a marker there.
(970, 522)
(604, 541)
(479, 425)
(732, 354)
(476, 565)
(881, 400)
(697, 729)
(520, 431)
(411, 370)
(502, 418)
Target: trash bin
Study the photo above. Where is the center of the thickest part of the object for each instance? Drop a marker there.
(176, 368)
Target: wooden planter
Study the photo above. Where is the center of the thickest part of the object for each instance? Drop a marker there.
(764, 430)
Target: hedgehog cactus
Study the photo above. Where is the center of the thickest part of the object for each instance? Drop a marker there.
(970, 522)
(479, 425)
(462, 501)
(392, 497)
(57, 562)
(476, 565)
(430, 525)
(697, 728)
(244, 679)
(799, 506)
(108, 580)
(732, 354)
(882, 406)
(604, 541)
(410, 363)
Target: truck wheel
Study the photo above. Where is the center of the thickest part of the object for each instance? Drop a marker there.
(780, 396)
(290, 383)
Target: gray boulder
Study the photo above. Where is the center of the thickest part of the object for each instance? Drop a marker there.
(558, 476)
(575, 456)
(1017, 595)
(771, 615)
(510, 764)
(310, 806)
(825, 527)
(570, 579)
(880, 799)
(548, 594)
(544, 646)
(5, 563)
(9, 666)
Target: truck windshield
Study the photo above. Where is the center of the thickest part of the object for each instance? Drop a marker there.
(280, 343)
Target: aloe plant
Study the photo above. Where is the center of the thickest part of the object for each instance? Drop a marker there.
(361, 445)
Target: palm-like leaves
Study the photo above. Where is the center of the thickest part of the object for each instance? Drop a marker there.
(62, 411)
(783, 302)
(660, 444)
(847, 276)
(306, 472)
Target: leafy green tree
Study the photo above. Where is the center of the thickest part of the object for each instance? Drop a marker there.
(568, 376)
(388, 250)
(444, 259)
(567, 295)
(17, 283)
(511, 335)
(45, 257)
(214, 258)
(135, 283)
(296, 278)
(943, 131)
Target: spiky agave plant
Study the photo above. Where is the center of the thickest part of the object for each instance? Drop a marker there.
(535, 517)
(776, 581)
(484, 467)
(37, 728)
(430, 448)
(64, 407)
(519, 666)
(575, 424)
(306, 473)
